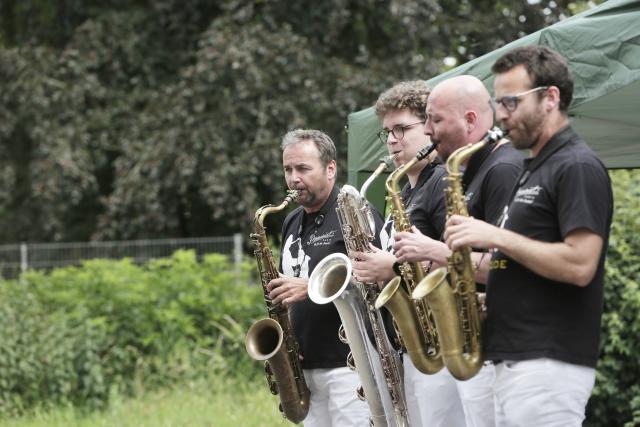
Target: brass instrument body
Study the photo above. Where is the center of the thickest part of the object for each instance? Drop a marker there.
(378, 366)
(455, 306)
(331, 281)
(272, 339)
(413, 319)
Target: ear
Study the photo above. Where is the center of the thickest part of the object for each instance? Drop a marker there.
(552, 98)
(470, 119)
(331, 169)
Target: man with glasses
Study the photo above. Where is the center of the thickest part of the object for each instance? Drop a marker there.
(545, 287)
(432, 400)
(459, 112)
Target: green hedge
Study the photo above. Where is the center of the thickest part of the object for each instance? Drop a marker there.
(77, 334)
(616, 398)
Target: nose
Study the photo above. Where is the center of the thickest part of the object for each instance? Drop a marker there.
(501, 112)
(427, 128)
(292, 178)
(391, 139)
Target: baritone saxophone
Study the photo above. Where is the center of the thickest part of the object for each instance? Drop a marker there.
(272, 339)
(378, 365)
(455, 306)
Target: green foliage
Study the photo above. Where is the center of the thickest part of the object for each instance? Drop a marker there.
(207, 402)
(79, 333)
(138, 119)
(616, 397)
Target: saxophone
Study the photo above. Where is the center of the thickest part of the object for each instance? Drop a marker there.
(455, 308)
(380, 371)
(272, 339)
(413, 319)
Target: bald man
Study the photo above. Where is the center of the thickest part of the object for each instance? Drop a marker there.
(459, 112)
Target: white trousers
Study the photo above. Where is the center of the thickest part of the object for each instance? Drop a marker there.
(334, 401)
(432, 400)
(477, 398)
(542, 392)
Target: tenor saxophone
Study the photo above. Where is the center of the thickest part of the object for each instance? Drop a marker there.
(455, 306)
(413, 319)
(272, 339)
(380, 371)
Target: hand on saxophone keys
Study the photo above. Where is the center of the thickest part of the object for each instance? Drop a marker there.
(373, 267)
(287, 290)
(416, 247)
(461, 231)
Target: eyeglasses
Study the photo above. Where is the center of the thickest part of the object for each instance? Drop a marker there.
(510, 103)
(397, 131)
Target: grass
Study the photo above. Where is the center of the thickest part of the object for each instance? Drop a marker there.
(220, 403)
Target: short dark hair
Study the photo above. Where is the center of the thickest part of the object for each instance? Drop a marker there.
(545, 67)
(321, 140)
(411, 95)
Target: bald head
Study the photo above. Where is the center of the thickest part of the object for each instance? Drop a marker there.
(465, 93)
(458, 113)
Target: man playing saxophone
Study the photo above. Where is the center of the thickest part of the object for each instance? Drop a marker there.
(545, 278)
(459, 113)
(310, 233)
(432, 400)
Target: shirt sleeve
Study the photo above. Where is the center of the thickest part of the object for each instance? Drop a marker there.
(584, 198)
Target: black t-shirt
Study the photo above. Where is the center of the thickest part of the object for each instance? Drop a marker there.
(488, 179)
(563, 189)
(491, 174)
(424, 204)
(308, 238)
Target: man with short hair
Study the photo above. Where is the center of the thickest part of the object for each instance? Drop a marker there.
(459, 113)
(432, 400)
(545, 287)
(310, 233)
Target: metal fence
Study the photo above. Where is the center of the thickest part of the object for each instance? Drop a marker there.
(20, 257)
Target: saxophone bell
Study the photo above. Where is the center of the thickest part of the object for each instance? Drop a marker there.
(455, 306)
(331, 281)
(413, 319)
(272, 339)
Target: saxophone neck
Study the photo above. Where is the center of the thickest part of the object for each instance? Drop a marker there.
(392, 184)
(261, 213)
(461, 154)
(258, 224)
(385, 163)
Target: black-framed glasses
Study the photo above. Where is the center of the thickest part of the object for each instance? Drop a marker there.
(397, 131)
(510, 103)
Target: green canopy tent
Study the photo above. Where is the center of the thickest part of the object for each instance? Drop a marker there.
(602, 46)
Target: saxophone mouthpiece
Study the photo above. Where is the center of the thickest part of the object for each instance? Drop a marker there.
(388, 160)
(293, 195)
(425, 151)
(495, 134)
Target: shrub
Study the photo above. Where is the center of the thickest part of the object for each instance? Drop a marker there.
(616, 396)
(77, 333)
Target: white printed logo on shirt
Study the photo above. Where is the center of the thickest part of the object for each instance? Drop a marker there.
(527, 195)
(386, 235)
(295, 261)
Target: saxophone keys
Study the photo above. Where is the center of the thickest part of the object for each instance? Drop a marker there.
(342, 335)
(351, 363)
(271, 383)
(360, 394)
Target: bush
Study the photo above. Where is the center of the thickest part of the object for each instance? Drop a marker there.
(616, 396)
(77, 333)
